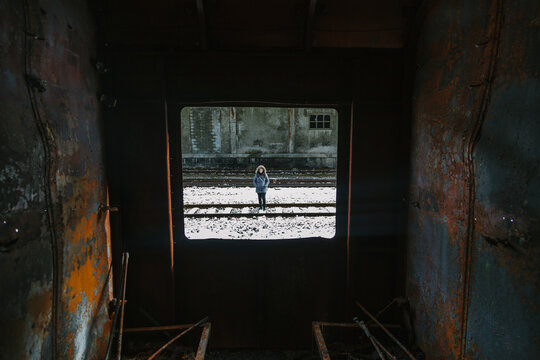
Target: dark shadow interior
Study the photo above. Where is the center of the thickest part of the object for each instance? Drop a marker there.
(437, 173)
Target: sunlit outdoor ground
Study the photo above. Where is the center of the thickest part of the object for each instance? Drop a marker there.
(253, 226)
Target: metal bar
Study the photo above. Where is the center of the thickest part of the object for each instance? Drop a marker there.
(377, 348)
(384, 349)
(268, 214)
(203, 343)
(385, 308)
(321, 344)
(339, 324)
(169, 190)
(385, 330)
(369, 336)
(151, 318)
(348, 276)
(116, 311)
(122, 307)
(200, 322)
(206, 206)
(157, 328)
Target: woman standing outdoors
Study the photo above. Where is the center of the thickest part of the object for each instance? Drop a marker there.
(261, 181)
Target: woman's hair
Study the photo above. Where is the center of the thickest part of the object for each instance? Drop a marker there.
(260, 167)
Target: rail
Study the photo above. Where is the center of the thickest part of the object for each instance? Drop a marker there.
(287, 205)
(250, 210)
(280, 182)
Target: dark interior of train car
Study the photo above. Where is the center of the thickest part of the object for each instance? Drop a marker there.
(396, 214)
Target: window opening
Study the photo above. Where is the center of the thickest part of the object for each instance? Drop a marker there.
(221, 149)
(319, 121)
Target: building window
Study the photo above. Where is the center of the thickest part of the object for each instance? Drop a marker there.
(319, 122)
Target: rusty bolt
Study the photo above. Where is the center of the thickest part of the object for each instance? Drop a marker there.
(103, 208)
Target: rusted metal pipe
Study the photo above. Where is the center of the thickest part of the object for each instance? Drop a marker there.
(385, 308)
(321, 345)
(156, 323)
(370, 337)
(200, 322)
(122, 307)
(388, 353)
(203, 343)
(117, 308)
(340, 324)
(157, 328)
(385, 330)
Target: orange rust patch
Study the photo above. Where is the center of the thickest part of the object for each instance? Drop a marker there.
(39, 307)
(83, 280)
(450, 328)
(85, 229)
(69, 340)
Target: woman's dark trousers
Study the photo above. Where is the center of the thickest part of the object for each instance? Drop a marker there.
(262, 201)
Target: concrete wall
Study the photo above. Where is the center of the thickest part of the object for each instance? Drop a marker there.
(53, 240)
(244, 136)
(473, 255)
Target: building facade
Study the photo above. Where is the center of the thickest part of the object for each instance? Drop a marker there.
(243, 136)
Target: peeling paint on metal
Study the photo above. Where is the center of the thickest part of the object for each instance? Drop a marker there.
(63, 158)
(464, 93)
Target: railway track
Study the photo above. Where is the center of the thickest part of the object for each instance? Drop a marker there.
(278, 182)
(239, 205)
(248, 172)
(250, 210)
(281, 178)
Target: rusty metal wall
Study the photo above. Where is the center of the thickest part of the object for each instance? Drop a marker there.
(53, 240)
(473, 262)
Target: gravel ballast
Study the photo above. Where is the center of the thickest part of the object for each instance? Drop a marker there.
(260, 227)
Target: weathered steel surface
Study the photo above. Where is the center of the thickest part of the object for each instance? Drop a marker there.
(54, 260)
(504, 314)
(473, 269)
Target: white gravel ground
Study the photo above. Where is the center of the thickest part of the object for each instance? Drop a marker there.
(259, 227)
(240, 195)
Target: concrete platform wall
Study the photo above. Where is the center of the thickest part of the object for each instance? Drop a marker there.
(247, 136)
